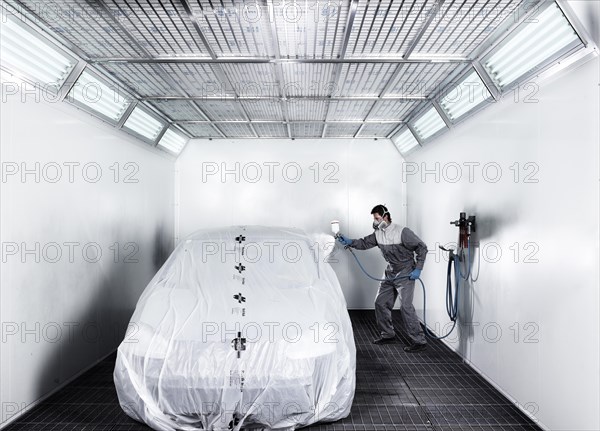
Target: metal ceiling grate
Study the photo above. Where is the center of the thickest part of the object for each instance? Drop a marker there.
(236, 130)
(301, 79)
(252, 80)
(143, 78)
(196, 79)
(200, 130)
(393, 109)
(420, 79)
(89, 28)
(341, 130)
(364, 79)
(263, 109)
(218, 110)
(234, 29)
(178, 110)
(348, 109)
(306, 110)
(271, 130)
(459, 28)
(160, 27)
(386, 28)
(310, 29)
(376, 130)
(306, 130)
(169, 79)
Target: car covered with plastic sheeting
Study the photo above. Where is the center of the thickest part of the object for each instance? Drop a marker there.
(243, 327)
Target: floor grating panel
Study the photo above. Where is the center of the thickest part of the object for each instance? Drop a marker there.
(430, 390)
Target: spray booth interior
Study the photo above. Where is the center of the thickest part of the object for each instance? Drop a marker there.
(131, 130)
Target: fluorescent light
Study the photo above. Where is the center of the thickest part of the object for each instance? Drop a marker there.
(97, 96)
(531, 45)
(172, 141)
(429, 124)
(26, 53)
(406, 141)
(144, 124)
(468, 94)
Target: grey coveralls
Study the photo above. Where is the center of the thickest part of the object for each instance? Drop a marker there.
(398, 246)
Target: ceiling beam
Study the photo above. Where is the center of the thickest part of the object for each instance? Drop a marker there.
(279, 98)
(259, 60)
(290, 122)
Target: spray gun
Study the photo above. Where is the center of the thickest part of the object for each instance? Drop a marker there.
(335, 228)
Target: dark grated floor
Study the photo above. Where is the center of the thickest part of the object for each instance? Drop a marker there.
(429, 390)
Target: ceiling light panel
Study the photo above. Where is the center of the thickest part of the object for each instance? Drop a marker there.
(252, 80)
(405, 141)
(99, 96)
(218, 110)
(306, 130)
(302, 79)
(85, 26)
(376, 130)
(160, 27)
(386, 28)
(178, 110)
(419, 79)
(541, 39)
(364, 79)
(341, 130)
(271, 130)
(460, 27)
(173, 141)
(200, 130)
(393, 109)
(348, 109)
(143, 79)
(429, 124)
(265, 110)
(236, 130)
(234, 29)
(306, 110)
(464, 97)
(144, 124)
(310, 29)
(30, 55)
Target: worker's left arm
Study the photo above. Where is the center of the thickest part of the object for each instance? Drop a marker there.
(412, 242)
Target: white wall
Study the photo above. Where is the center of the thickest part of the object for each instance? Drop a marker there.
(551, 367)
(61, 314)
(313, 181)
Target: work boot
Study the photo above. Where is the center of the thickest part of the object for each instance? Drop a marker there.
(384, 340)
(416, 347)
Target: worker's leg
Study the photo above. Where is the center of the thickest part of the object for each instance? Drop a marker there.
(409, 315)
(384, 302)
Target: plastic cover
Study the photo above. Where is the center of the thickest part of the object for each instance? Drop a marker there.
(243, 327)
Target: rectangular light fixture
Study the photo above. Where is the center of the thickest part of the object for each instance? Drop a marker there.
(429, 124)
(95, 95)
(143, 124)
(464, 97)
(172, 141)
(27, 55)
(532, 43)
(405, 141)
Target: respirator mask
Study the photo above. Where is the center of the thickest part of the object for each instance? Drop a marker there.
(380, 224)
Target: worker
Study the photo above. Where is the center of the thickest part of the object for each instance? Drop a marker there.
(399, 245)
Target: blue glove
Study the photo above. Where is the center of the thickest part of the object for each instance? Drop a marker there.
(416, 273)
(346, 241)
